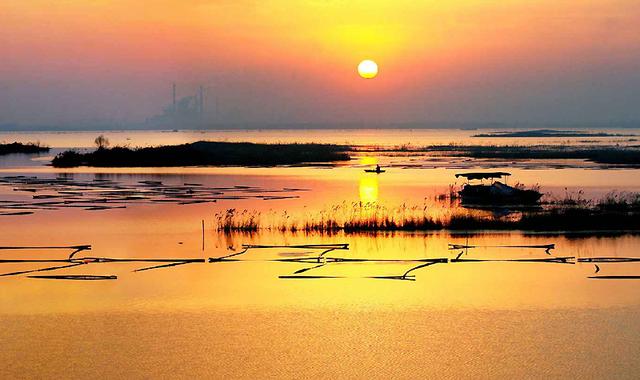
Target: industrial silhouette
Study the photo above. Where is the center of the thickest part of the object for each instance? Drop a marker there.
(186, 111)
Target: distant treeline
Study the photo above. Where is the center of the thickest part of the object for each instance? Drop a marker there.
(17, 147)
(205, 153)
(230, 125)
(611, 155)
(604, 155)
(550, 133)
(251, 154)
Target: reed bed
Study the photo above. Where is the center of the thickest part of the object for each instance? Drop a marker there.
(612, 201)
(348, 217)
(204, 153)
(26, 148)
(607, 155)
(616, 211)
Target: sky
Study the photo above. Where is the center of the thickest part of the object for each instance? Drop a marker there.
(70, 62)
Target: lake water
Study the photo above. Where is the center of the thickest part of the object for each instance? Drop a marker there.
(376, 137)
(242, 320)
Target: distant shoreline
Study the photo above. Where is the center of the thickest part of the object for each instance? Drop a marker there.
(203, 153)
(470, 126)
(550, 133)
(21, 148)
(218, 153)
(606, 155)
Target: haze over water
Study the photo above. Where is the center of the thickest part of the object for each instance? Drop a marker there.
(239, 319)
(384, 137)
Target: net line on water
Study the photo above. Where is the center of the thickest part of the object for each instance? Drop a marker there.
(322, 259)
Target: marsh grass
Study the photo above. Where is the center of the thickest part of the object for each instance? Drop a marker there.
(203, 153)
(26, 148)
(620, 201)
(614, 212)
(549, 133)
(240, 221)
(356, 216)
(612, 155)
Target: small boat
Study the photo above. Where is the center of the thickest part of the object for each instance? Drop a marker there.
(377, 170)
(495, 193)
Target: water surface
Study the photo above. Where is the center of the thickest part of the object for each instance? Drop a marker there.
(239, 319)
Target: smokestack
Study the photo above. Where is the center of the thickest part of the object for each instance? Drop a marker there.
(201, 100)
(174, 97)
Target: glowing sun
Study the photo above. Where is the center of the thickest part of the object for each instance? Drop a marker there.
(368, 69)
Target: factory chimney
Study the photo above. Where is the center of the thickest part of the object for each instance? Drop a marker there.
(201, 101)
(174, 98)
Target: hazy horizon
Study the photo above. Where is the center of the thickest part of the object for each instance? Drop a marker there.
(596, 126)
(76, 65)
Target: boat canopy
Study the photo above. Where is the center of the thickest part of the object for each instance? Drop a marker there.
(490, 175)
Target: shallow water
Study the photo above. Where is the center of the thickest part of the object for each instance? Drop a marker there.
(239, 319)
(388, 343)
(377, 137)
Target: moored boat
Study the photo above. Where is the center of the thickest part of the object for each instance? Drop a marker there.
(495, 193)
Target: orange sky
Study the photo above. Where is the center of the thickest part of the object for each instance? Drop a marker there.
(294, 61)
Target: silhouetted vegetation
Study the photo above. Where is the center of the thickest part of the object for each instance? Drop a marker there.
(550, 133)
(101, 142)
(611, 155)
(615, 212)
(607, 155)
(204, 153)
(28, 148)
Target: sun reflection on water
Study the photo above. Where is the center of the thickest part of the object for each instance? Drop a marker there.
(368, 160)
(368, 188)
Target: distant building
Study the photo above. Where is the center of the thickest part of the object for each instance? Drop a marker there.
(184, 112)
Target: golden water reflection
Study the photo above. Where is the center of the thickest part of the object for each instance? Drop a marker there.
(233, 318)
(239, 319)
(170, 231)
(368, 160)
(369, 188)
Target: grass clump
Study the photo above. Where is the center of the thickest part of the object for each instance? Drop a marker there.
(349, 217)
(25, 148)
(614, 212)
(610, 155)
(549, 133)
(235, 221)
(601, 155)
(205, 153)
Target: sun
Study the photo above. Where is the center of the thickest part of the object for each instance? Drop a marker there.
(368, 69)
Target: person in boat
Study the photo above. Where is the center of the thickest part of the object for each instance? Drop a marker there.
(377, 170)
